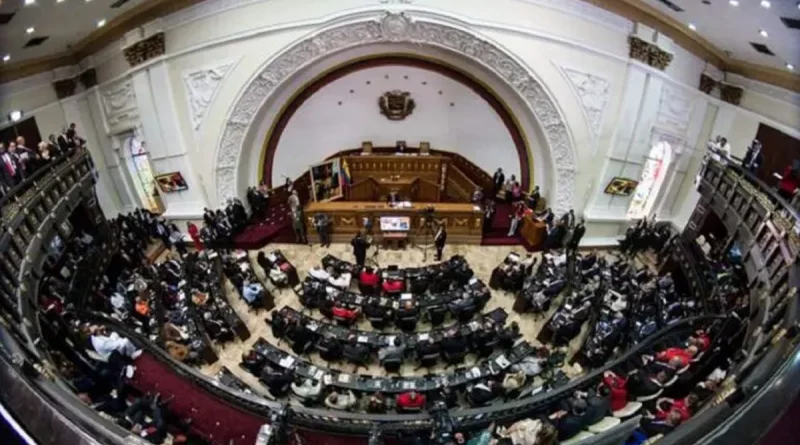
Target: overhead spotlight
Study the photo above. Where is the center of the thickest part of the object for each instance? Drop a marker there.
(798, 5)
(60, 1)
(764, 33)
(101, 23)
(734, 2)
(692, 27)
(7, 57)
(790, 67)
(30, 30)
(766, 4)
(15, 116)
(29, 2)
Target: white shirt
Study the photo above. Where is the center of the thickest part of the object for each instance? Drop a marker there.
(105, 345)
(343, 401)
(307, 390)
(343, 282)
(319, 273)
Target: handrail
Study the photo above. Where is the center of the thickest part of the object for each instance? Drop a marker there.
(762, 186)
(25, 184)
(474, 417)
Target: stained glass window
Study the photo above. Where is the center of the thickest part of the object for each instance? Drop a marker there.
(653, 174)
(143, 178)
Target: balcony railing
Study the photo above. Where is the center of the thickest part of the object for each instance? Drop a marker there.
(770, 375)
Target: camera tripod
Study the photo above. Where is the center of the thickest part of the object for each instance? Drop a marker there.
(425, 232)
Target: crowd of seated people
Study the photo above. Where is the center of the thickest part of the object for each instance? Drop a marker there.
(277, 268)
(236, 266)
(105, 387)
(320, 389)
(542, 283)
(482, 337)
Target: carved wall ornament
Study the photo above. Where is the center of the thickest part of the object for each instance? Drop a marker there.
(383, 30)
(730, 93)
(145, 49)
(593, 93)
(649, 53)
(119, 103)
(201, 86)
(65, 87)
(396, 105)
(707, 83)
(675, 109)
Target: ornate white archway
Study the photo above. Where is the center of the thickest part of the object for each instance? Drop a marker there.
(397, 28)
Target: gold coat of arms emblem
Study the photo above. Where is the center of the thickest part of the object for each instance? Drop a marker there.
(396, 105)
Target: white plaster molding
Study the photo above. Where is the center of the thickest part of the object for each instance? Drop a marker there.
(588, 12)
(396, 28)
(202, 10)
(119, 103)
(201, 86)
(26, 84)
(593, 93)
(771, 91)
(675, 109)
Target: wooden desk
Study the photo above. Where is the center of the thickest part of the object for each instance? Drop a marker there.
(534, 231)
(464, 224)
(397, 240)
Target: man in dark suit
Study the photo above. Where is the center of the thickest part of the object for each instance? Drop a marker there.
(569, 219)
(533, 198)
(754, 157)
(321, 223)
(360, 246)
(577, 234)
(498, 180)
(439, 241)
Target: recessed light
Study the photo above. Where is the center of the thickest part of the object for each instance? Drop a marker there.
(692, 27)
(60, 1)
(790, 67)
(734, 2)
(15, 115)
(30, 30)
(29, 2)
(766, 4)
(798, 5)
(7, 57)
(101, 23)
(764, 33)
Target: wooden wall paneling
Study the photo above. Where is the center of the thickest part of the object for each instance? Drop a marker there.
(780, 150)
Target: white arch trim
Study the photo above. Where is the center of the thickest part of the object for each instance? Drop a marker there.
(396, 28)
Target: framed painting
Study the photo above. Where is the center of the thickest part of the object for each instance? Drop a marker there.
(326, 181)
(171, 182)
(621, 186)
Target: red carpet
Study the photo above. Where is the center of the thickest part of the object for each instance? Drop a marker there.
(276, 227)
(497, 234)
(220, 423)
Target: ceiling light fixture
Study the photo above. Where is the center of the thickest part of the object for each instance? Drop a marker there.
(692, 27)
(766, 4)
(798, 5)
(60, 1)
(29, 2)
(764, 33)
(101, 23)
(30, 30)
(790, 67)
(7, 57)
(15, 116)
(734, 2)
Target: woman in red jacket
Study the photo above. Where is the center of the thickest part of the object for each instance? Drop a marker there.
(619, 390)
(195, 234)
(790, 181)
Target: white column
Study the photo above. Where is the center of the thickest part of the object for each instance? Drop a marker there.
(109, 153)
(77, 110)
(168, 150)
